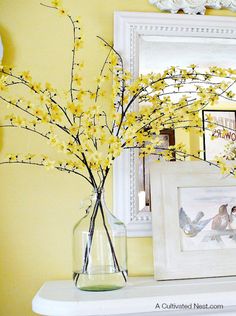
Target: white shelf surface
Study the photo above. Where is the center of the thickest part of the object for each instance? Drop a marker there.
(139, 297)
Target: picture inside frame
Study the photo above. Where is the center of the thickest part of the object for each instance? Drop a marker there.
(144, 197)
(207, 218)
(222, 140)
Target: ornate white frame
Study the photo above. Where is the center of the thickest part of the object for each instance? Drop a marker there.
(193, 6)
(129, 26)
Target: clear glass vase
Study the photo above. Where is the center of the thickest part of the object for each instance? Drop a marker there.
(99, 248)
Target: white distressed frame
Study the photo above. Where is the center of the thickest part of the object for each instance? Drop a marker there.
(128, 27)
(169, 261)
(193, 6)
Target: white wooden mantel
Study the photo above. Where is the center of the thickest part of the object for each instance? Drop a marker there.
(139, 297)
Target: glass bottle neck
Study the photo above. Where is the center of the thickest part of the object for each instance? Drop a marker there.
(99, 195)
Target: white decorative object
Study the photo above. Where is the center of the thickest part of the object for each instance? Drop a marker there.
(198, 39)
(193, 6)
(139, 298)
(192, 237)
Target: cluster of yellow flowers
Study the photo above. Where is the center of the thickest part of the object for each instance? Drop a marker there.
(76, 124)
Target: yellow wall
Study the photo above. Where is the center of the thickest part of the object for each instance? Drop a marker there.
(38, 209)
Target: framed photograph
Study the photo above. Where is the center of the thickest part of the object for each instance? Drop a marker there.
(194, 221)
(222, 140)
(168, 139)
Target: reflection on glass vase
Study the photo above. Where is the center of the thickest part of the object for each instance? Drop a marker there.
(99, 248)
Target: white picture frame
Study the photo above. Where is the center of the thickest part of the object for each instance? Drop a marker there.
(173, 257)
(129, 28)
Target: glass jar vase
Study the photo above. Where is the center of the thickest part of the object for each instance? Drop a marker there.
(99, 248)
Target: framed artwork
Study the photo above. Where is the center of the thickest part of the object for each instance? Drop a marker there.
(168, 139)
(222, 139)
(194, 221)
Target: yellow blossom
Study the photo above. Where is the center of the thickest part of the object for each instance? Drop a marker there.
(36, 87)
(61, 147)
(116, 117)
(74, 129)
(80, 65)
(126, 76)
(56, 3)
(134, 87)
(129, 142)
(222, 165)
(75, 109)
(115, 148)
(80, 95)
(114, 61)
(92, 95)
(26, 75)
(209, 118)
(78, 43)
(159, 85)
(77, 79)
(78, 19)
(148, 149)
(56, 116)
(29, 156)
(211, 126)
(12, 157)
(33, 122)
(230, 94)
(45, 118)
(3, 86)
(19, 121)
(95, 159)
(93, 109)
(102, 93)
(44, 157)
(62, 11)
(168, 155)
(49, 87)
(106, 163)
(53, 140)
(38, 112)
(199, 132)
(102, 138)
(193, 66)
(49, 164)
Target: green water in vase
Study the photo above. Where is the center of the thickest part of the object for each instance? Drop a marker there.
(100, 282)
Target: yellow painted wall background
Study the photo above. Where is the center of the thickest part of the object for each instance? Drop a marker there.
(38, 208)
